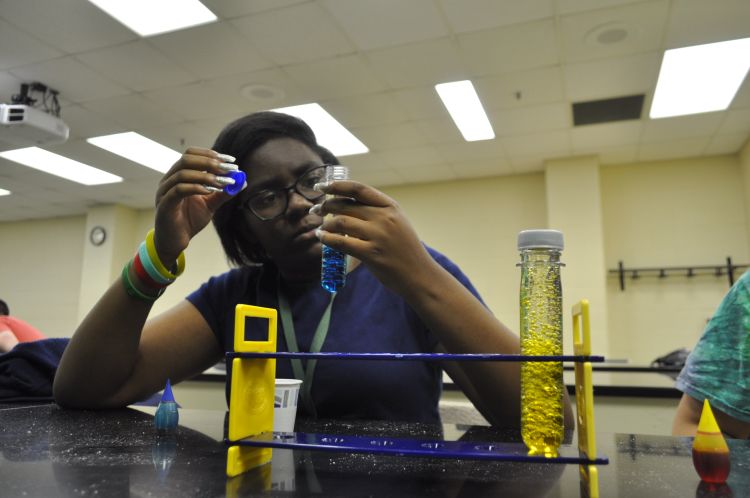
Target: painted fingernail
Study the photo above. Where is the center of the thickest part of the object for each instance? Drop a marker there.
(225, 157)
(315, 209)
(229, 167)
(318, 233)
(225, 180)
(211, 189)
(322, 186)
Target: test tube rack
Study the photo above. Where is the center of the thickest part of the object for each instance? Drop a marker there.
(250, 434)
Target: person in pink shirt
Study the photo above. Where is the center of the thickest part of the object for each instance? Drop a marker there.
(14, 330)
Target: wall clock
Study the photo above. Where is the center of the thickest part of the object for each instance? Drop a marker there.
(98, 235)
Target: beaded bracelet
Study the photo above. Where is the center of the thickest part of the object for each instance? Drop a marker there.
(154, 257)
(132, 290)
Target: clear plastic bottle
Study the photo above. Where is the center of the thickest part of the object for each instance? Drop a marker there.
(334, 264)
(541, 334)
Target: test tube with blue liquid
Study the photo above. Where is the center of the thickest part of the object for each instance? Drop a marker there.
(334, 263)
(166, 417)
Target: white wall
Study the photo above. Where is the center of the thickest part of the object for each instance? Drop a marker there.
(673, 213)
(40, 272)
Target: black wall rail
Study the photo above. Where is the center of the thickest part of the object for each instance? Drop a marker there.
(729, 269)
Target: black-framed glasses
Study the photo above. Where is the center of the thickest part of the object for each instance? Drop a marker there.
(272, 203)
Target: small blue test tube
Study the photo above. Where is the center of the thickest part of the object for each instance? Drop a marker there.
(334, 263)
(166, 417)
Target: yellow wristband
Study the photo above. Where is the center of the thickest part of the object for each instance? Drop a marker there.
(154, 257)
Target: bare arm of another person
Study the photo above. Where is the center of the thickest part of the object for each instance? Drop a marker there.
(115, 357)
(374, 229)
(689, 414)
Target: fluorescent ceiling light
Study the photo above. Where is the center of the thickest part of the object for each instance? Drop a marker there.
(151, 17)
(4, 192)
(330, 133)
(61, 166)
(702, 78)
(139, 149)
(462, 102)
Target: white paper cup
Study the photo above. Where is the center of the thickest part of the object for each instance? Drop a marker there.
(285, 404)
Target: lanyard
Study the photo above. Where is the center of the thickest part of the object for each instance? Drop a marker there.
(304, 374)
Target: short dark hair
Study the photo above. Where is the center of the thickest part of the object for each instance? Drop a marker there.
(241, 138)
(4, 308)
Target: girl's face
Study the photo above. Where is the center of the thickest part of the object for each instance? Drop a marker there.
(289, 240)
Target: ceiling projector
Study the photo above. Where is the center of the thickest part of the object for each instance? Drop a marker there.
(25, 126)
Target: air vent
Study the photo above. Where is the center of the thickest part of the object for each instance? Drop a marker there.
(607, 110)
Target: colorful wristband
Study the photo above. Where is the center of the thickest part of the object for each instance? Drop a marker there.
(132, 290)
(150, 268)
(143, 275)
(154, 256)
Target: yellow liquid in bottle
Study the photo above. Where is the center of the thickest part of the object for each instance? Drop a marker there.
(541, 382)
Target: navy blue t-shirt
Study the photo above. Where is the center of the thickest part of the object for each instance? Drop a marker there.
(366, 317)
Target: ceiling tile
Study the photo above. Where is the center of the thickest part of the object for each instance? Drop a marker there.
(411, 157)
(735, 122)
(196, 50)
(85, 123)
(364, 21)
(609, 78)
(180, 136)
(281, 90)
(317, 37)
(726, 144)
(618, 155)
(439, 62)
(364, 110)
(440, 130)
(130, 111)
(694, 22)
(192, 102)
(525, 88)
(19, 49)
(420, 102)
(69, 25)
(674, 149)
(336, 77)
(137, 66)
(9, 85)
(572, 6)
(591, 138)
(236, 8)
(527, 164)
(482, 168)
(74, 81)
(531, 119)
(472, 15)
(463, 151)
(428, 173)
(584, 35)
(391, 136)
(509, 49)
(666, 129)
(548, 145)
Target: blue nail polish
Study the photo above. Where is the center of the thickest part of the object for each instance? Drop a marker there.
(239, 182)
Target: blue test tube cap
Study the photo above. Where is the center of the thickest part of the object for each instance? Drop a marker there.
(239, 182)
(167, 395)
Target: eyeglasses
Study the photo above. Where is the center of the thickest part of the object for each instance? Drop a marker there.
(272, 203)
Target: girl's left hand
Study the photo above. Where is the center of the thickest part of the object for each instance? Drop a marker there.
(370, 226)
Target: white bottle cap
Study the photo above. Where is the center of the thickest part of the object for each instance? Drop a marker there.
(540, 239)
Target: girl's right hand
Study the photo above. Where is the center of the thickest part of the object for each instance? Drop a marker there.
(184, 204)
